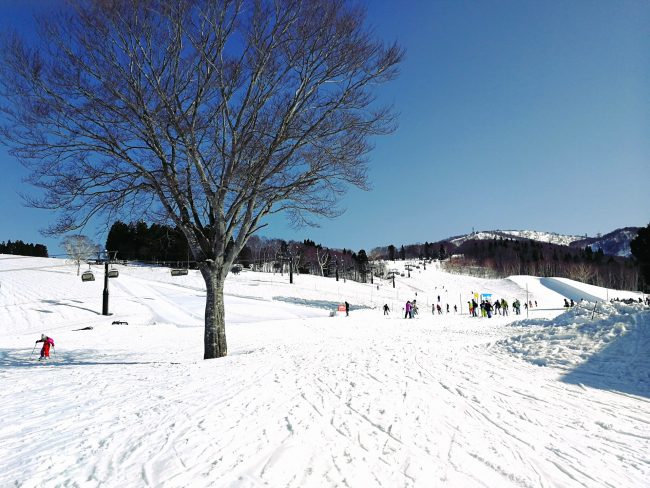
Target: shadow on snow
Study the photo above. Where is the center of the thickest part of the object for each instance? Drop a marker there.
(324, 304)
(64, 304)
(21, 358)
(623, 365)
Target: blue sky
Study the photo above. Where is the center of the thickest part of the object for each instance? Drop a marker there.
(513, 115)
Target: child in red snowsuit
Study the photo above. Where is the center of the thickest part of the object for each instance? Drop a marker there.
(47, 343)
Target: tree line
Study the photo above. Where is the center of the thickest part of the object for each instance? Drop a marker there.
(433, 250)
(499, 258)
(490, 258)
(156, 243)
(23, 249)
(138, 241)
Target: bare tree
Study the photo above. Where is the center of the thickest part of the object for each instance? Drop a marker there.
(582, 272)
(79, 248)
(322, 259)
(205, 114)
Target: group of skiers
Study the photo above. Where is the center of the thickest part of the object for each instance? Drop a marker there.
(435, 307)
(487, 308)
(629, 301)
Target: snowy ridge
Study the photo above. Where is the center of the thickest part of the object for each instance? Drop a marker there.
(615, 243)
(550, 237)
(546, 398)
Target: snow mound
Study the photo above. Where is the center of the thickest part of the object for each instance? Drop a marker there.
(609, 342)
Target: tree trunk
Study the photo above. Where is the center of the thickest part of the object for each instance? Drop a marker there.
(215, 317)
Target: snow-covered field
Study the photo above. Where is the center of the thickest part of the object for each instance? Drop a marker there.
(556, 399)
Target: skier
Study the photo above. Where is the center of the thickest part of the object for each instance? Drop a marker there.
(347, 309)
(386, 309)
(47, 343)
(488, 309)
(407, 308)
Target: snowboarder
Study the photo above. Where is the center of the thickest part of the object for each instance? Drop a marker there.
(407, 308)
(47, 343)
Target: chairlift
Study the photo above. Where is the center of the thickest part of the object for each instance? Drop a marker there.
(182, 271)
(112, 272)
(87, 276)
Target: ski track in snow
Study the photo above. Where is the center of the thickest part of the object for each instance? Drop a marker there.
(302, 399)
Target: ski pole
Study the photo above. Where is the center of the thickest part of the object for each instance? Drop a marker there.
(33, 350)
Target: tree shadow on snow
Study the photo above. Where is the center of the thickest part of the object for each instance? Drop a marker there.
(324, 304)
(623, 365)
(63, 304)
(24, 358)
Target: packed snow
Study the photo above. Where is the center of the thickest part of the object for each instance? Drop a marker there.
(553, 397)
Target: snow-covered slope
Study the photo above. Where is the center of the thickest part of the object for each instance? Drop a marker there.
(547, 398)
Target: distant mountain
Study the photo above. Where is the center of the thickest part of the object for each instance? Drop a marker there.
(550, 237)
(616, 243)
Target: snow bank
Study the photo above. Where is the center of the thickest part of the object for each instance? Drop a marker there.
(608, 341)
